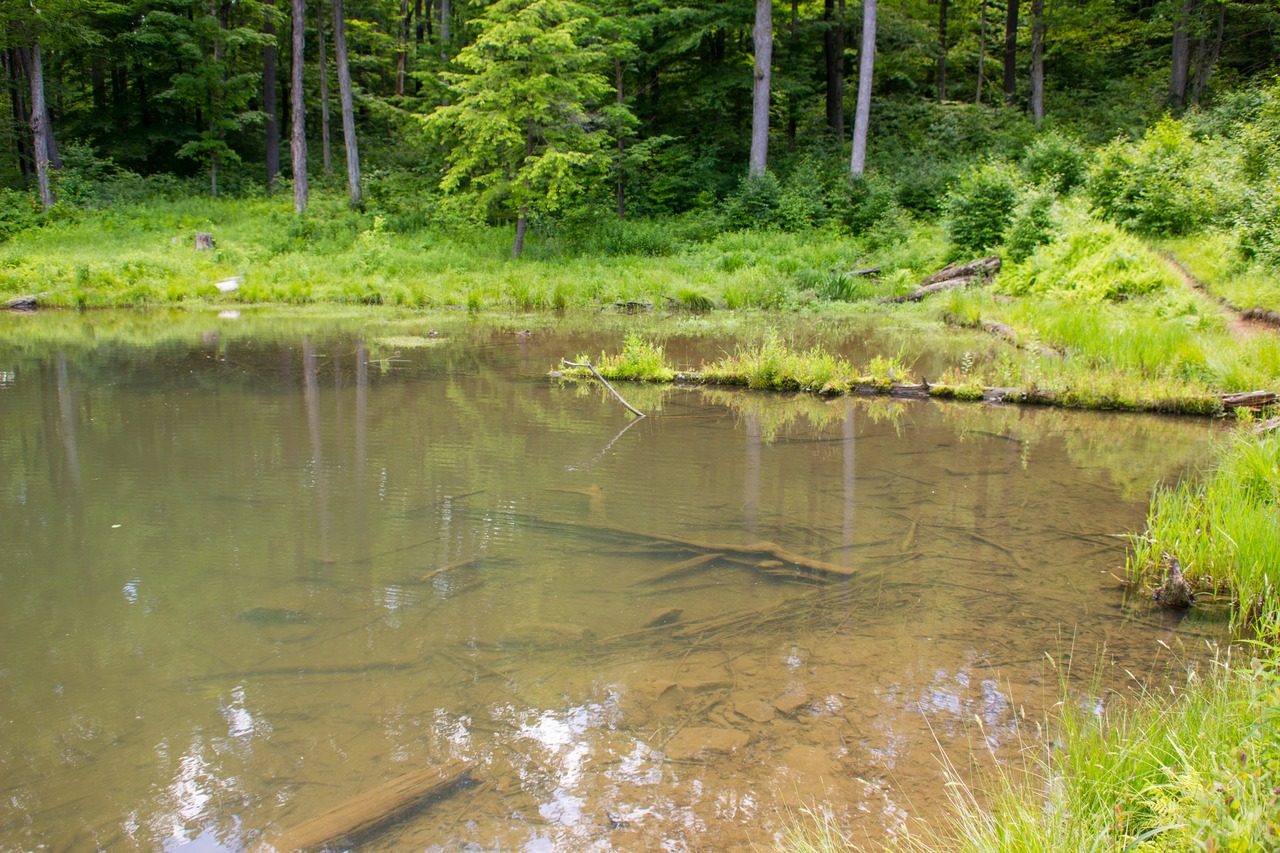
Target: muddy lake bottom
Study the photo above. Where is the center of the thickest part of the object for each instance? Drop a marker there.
(246, 578)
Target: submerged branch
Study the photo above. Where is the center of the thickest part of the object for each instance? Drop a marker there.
(605, 382)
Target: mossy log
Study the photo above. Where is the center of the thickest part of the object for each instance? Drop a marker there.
(371, 810)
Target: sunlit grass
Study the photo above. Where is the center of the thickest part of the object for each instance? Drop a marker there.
(1225, 531)
(1214, 259)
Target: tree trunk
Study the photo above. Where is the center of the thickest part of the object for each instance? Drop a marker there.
(866, 67)
(793, 54)
(622, 193)
(445, 12)
(833, 50)
(982, 51)
(522, 222)
(420, 30)
(20, 117)
(1206, 57)
(1180, 65)
(271, 124)
(1011, 53)
(98, 80)
(942, 51)
(298, 137)
(1037, 61)
(348, 106)
(763, 34)
(325, 151)
(402, 53)
(41, 132)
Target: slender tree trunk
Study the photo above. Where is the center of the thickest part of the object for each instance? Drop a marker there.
(522, 222)
(942, 51)
(446, 11)
(763, 34)
(833, 52)
(866, 68)
(1037, 61)
(298, 97)
(98, 79)
(402, 53)
(982, 51)
(272, 122)
(348, 106)
(20, 116)
(1011, 52)
(213, 174)
(420, 30)
(325, 150)
(1206, 57)
(793, 54)
(40, 130)
(622, 151)
(1180, 65)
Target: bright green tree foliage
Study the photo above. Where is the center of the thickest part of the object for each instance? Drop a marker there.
(521, 128)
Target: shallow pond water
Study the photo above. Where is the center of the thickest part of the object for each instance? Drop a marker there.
(244, 579)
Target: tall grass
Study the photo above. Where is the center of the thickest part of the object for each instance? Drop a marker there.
(1198, 772)
(1225, 531)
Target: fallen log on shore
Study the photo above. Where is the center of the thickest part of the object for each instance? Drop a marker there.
(1247, 400)
(371, 810)
(956, 275)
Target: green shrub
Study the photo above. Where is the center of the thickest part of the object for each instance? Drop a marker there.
(981, 207)
(1163, 185)
(18, 212)
(754, 203)
(1033, 224)
(1055, 161)
(864, 201)
(802, 202)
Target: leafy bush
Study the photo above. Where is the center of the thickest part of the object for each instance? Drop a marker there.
(1033, 224)
(802, 203)
(18, 212)
(1163, 185)
(1055, 161)
(754, 203)
(981, 207)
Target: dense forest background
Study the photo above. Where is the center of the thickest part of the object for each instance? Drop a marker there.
(448, 111)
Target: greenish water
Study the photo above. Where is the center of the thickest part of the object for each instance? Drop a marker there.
(246, 577)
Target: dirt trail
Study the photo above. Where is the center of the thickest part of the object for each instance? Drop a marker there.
(1243, 324)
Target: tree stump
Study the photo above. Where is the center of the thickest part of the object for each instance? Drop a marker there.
(204, 240)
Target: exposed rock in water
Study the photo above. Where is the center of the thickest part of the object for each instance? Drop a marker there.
(699, 740)
(1174, 593)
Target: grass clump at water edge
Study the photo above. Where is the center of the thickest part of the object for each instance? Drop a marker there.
(1224, 531)
(1198, 772)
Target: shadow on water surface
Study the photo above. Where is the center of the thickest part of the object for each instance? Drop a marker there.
(247, 579)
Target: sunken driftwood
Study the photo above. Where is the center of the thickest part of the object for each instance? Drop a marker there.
(1247, 400)
(372, 809)
(1174, 593)
(956, 275)
(204, 240)
(765, 550)
(605, 382)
